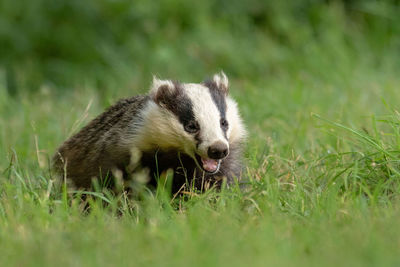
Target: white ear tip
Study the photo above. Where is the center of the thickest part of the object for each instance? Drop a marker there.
(221, 79)
(157, 84)
(224, 79)
(156, 81)
(222, 73)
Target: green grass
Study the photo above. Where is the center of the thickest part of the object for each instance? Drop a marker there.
(323, 162)
(317, 84)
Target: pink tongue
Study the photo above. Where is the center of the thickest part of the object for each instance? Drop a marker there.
(209, 165)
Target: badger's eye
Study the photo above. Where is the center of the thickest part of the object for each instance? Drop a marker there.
(192, 127)
(224, 124)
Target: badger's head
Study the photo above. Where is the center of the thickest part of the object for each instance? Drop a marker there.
(200, 120)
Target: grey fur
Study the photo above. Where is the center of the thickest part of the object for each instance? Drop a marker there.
(100, 146)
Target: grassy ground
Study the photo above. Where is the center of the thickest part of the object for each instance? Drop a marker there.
(322, 157)
(317, 83)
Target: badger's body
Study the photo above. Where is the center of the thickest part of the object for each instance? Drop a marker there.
(193, 129)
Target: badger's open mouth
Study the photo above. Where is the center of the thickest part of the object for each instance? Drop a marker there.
(208, 165)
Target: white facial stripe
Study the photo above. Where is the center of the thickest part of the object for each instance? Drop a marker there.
(236, 131)
(207, 115)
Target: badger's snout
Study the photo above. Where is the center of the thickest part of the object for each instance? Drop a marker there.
(218, 150)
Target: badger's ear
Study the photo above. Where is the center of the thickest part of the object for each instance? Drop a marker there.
(162, 90)
(221, 81)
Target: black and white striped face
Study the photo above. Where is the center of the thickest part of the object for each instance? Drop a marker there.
(198, 119)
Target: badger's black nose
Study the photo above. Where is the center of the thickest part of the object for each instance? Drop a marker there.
(218, 150)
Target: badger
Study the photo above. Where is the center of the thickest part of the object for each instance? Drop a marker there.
(193, 129)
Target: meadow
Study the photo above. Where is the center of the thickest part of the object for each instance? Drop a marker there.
(317, 84)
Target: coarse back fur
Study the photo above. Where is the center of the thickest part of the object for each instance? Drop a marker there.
(193, 129)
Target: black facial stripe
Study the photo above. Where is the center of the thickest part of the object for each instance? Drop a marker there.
(179, 104)
(218, 96)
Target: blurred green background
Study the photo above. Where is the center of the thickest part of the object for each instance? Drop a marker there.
(317, 84)
(63, 43)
